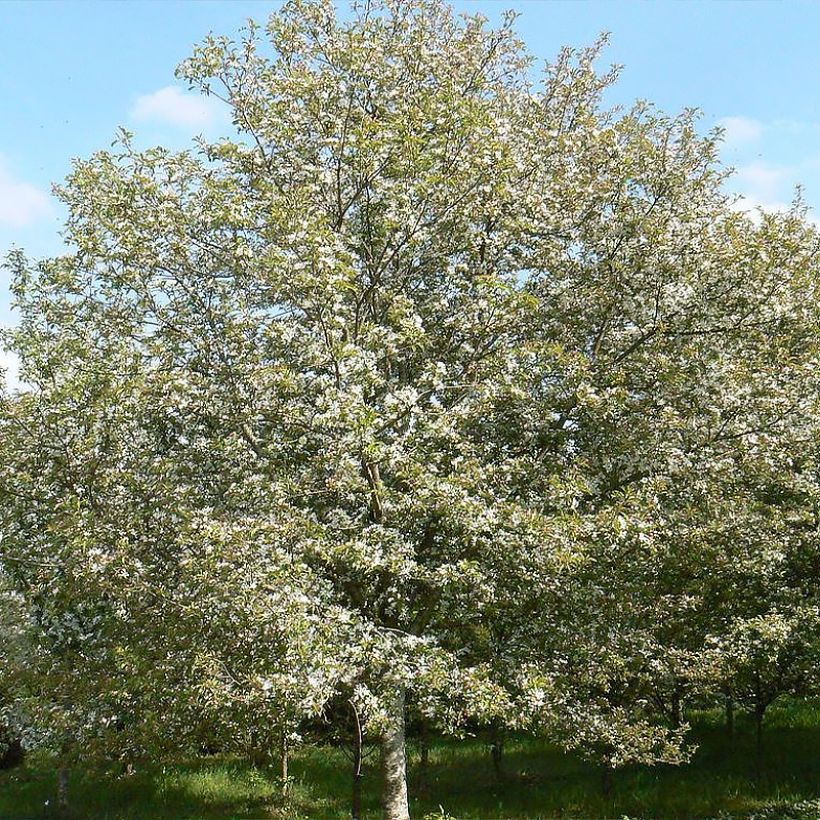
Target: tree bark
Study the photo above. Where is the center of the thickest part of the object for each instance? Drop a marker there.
(356, 792)
(497, 750)
(606, 781)
(676, 709)
(394, 761)
(62, 789)
(284, 754)
(759, 712)
(730, 717)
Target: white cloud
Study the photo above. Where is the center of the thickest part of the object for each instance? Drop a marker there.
(21, 203)
(174, 106)
(751, 207)
(770, 188)
(771, 160)
(740, 130)
(761, 182)
(795, 126)
(10, 367)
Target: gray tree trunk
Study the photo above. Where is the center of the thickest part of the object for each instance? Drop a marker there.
(356, 792)
(284, 758)
(394, 761)
(62, 789)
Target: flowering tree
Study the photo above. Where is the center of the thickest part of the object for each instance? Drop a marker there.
(385, 395)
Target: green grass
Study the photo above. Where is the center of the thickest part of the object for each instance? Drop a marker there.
(541, 782)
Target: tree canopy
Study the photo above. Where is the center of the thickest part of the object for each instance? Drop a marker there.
(438, 384)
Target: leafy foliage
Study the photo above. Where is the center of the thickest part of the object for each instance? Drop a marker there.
(437, 377)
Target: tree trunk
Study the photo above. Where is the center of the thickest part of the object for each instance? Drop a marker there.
(394, 761)
(356, 796)
(356, 792)
(284, 753)
(676, 709)
(497, 751)
(254, 757)
(62, 789)
(606, 781)
(759, 712)
(730, 717)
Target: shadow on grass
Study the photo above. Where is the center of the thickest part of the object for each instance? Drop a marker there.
(719, 781)
(540, 782)
(202, 788)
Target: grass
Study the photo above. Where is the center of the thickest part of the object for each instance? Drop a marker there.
(541, 782)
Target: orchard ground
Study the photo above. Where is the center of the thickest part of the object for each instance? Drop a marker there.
(539, 782)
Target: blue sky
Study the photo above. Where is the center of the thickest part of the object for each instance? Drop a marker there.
(72, 72)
